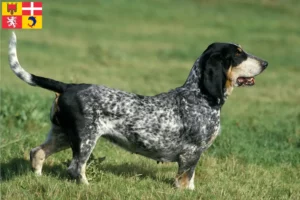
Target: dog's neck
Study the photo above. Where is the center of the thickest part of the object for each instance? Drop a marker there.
(193, 82)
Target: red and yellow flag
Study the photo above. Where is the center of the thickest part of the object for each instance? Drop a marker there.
(22, 15)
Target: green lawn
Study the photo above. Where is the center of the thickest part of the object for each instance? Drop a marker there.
(149, 47)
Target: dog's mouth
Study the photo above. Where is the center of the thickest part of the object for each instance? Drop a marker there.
(245, 81)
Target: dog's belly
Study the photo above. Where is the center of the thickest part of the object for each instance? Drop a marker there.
(159, 144)
(159, 154)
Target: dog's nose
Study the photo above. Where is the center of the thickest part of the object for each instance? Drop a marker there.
(264, 64)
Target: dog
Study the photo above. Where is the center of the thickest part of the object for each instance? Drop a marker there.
(176, 126)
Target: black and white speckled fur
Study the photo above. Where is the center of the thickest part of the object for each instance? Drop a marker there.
(176, 126)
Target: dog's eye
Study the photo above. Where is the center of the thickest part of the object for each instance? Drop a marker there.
(238, 52)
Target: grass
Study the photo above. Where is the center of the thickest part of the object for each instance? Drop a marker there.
(148, 47)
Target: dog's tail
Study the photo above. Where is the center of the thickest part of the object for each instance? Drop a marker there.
(31, 79)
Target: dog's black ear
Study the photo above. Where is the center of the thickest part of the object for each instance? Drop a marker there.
(214, 76)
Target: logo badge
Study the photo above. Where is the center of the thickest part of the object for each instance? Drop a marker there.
(22, 15)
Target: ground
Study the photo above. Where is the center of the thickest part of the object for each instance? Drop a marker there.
(149, 47)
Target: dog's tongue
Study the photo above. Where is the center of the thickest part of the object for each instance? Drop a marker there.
(245, 81)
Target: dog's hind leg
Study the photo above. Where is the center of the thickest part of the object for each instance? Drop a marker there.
(82, 150)
(55, 142)
(186, 170)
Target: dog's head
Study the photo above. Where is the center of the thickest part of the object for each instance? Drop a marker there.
(224, 66)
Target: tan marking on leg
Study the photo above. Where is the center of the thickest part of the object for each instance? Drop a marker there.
(37, 160)
(182, 180)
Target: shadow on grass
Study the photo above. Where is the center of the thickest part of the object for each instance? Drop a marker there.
(15, 167)
(133, 170)
(19, 166)
(58, 171)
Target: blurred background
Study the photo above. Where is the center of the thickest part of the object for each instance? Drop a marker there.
(149, 47)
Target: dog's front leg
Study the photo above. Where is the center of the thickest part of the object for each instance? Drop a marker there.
(186, 170)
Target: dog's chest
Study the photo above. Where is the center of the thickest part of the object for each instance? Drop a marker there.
(209, 129)
(211, 136)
